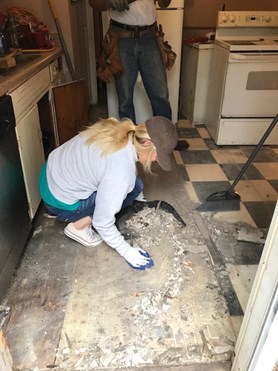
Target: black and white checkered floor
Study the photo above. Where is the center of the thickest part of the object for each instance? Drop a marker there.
(207, 168)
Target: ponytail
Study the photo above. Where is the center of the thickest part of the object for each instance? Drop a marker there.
(111, 135)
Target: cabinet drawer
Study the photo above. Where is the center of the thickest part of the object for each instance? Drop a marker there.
(29, 93)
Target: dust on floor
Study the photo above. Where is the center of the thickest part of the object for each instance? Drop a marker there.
(171, 314)
(76, 308)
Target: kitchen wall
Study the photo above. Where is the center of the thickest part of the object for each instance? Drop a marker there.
(199, 19)
(199, 15)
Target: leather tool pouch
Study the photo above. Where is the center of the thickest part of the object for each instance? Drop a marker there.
(167, 54)
(109, 62)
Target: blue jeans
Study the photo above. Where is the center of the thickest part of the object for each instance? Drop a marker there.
(142, 54)
(87, 207)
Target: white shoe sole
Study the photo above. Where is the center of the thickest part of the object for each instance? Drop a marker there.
(80, 240)
(141, 198)
(49, 216)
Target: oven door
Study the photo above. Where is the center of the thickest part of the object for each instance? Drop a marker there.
(251, 88)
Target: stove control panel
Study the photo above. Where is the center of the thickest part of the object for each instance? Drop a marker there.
(247, 19)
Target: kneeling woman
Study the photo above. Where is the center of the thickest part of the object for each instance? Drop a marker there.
(90, 178)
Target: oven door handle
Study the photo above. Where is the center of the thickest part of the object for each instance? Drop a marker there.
(235, 57)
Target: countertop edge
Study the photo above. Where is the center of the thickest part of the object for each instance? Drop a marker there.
(19, 74)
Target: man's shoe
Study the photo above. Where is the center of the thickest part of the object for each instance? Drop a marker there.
(86, 237)
(182, 145)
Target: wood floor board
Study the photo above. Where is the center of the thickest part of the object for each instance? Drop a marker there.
(38, 298)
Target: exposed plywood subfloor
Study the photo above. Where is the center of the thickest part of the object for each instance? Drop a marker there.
(38, 297)
(170, 314)
(75, 308)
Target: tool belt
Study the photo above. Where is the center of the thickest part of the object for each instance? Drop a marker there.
(132, 31)
(167, 54)
(109, 62)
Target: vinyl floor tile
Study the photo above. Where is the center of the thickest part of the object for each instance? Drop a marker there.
(196, 144)
(239, 252)
(197, 157)
(247, 253)
(229, 156)
(203, 132)
(247, 192)
(261, 212)
(233, 170)
(205, 173)
(188, 133)
(238, 216)
(178, 157)
(210, 143)
(209, 168)
(274, 183)
(265, 154)
(265, 190)
(205, 189)
(183, 173)
(183, 123)
(191, 192)
(268, 170)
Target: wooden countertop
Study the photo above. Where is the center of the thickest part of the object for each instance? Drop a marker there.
(13, 77)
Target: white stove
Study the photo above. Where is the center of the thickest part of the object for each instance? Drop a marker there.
(243, 86)
(247, 31)
(264, 44)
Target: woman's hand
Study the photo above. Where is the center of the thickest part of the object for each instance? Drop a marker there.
(138, 258)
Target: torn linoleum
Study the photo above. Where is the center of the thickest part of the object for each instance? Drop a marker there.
(120, 317)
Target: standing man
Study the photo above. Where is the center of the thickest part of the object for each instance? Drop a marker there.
(134, 24)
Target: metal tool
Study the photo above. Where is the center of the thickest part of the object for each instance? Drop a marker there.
(230, 200)
(61, 36)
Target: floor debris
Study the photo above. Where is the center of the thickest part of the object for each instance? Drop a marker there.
(159, 315)
(251, 234)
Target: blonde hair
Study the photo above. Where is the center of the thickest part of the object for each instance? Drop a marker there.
(111, 135)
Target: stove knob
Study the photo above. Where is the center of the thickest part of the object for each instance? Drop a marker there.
(232, 18)
(224, 18)
(267, 19)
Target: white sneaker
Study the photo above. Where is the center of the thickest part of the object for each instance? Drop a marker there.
(87, 237)
(141, 197)
(50, 216)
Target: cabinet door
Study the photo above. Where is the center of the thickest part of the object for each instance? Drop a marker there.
(29, 138)
(71, 105)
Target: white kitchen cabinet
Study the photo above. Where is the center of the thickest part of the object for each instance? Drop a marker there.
(40, 109)
(31, 151)
(195, 70)
(28, 131)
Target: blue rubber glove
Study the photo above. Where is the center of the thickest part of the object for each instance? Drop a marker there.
(138, 258)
